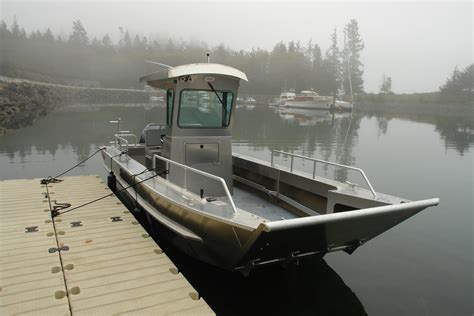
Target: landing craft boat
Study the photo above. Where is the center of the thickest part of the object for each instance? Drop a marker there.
(230, 210)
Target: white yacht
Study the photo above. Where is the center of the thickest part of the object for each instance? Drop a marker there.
(280, 101)
(309, 99)
(233, 211)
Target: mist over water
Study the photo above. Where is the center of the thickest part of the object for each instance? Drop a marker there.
(416, 146)
(423, 266)
(417, 43)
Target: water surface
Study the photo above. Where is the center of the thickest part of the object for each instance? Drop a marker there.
(422, 267)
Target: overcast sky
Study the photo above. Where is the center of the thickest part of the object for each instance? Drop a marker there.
(416, 43)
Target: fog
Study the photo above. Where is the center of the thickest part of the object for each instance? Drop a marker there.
(417, 44)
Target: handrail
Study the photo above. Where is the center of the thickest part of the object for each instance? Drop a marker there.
(121, 137)
(325, 162)
(211, 176)
(118, 141)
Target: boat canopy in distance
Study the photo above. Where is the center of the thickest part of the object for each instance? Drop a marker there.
(161, 78)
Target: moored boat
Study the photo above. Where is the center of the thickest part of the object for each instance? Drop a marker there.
(284, 96)
(233, 211)
(309, 99)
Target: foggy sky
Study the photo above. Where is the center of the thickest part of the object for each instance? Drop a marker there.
(416, 43)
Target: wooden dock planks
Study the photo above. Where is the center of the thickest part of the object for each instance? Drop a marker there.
(108, 263)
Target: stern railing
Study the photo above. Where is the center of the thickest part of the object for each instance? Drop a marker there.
(314, 160)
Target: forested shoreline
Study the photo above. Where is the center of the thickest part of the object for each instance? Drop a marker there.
(78, 60)
(99, 62)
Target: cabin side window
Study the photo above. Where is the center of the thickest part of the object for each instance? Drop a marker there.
(169, 106)
(205, 108)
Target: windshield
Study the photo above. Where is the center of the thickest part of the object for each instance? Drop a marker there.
(203, 109)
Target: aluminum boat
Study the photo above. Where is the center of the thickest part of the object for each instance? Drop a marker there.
(233, 211)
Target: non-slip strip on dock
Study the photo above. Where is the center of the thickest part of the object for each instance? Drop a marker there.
(94, 260)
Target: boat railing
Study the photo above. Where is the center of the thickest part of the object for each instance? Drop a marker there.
(314, 160)
(121, 139)
(200, 172)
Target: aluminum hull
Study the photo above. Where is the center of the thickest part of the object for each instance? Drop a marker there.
(242, 241)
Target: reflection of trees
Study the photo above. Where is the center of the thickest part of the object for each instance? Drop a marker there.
(322, 136)
(455, 129)
(82, 128)
(263, 128)
(382, 123)
(345, 132)
(315, 134)
(457, 133)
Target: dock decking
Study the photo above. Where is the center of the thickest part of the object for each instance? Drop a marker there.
(94, 260)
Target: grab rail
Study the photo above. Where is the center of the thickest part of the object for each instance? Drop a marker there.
(211, 176)
(121, 137)
(314, 160)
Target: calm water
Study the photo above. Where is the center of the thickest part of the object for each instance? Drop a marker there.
(422, 267)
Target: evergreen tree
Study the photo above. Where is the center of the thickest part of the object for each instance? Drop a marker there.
(354, 47)
(48, 36)
(316, 59)
(386, 86)
(127, 41)
(331, 67)
(16, 33)
(78, 36)
(107, 41)
(460, 82)
(4, 31)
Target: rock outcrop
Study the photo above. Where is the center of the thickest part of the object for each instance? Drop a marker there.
(22, 101)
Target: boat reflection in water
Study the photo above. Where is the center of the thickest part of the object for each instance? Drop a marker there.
(308, 117)
(311, 288)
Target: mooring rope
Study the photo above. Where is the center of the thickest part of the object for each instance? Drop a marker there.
(55, 179)
(55, 213)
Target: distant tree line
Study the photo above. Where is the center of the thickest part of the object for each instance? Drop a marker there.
(81, 60)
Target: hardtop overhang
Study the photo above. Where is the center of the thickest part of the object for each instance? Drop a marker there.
(163, 78)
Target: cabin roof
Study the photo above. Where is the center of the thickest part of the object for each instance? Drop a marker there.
(194, 69)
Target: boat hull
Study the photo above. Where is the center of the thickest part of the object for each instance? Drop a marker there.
(222, 240)
(205, 238)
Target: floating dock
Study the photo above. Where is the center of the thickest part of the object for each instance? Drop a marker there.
(94, 260)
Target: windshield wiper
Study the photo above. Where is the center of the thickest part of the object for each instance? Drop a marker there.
(217, 95)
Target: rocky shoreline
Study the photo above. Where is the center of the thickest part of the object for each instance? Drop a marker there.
(23, 101)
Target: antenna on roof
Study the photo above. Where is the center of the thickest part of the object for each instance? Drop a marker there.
(156, 63)
(208, 54)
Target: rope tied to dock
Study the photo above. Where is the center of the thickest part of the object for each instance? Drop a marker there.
(55, 212)
(55, 179)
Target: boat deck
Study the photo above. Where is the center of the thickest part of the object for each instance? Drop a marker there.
(259, 206)
(94, 260)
